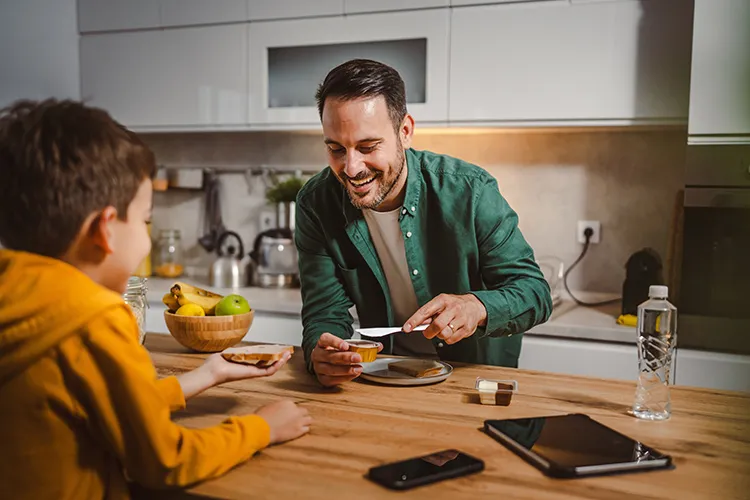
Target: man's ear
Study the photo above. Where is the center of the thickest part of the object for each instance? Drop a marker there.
(406, 131)
(100, 230)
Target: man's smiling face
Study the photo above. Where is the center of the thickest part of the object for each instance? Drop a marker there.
(364, 149)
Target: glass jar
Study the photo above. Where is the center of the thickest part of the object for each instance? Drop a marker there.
(169, 256)
(135, 297)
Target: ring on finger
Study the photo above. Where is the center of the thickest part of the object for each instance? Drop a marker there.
(445, 333)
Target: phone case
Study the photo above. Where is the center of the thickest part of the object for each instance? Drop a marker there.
(475, 466)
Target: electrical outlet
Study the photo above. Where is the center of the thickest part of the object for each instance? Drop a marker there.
(595, 225)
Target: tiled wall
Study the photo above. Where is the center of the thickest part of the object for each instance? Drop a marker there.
(627, 180)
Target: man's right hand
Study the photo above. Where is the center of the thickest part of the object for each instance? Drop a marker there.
(333, 363)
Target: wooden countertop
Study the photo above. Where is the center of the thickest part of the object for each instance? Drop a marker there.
(361, 425)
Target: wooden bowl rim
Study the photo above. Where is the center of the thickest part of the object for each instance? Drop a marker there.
(211, 318)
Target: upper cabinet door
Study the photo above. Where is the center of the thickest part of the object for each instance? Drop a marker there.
(477, 2)
(193, 12)
(619, 62)
(360, 6)
(108, 15)
(720, 79)
(188, 77)
(260, 10)
(289, 59)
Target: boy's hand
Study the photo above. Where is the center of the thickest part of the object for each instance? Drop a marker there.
(217, 370)
(223, 371)
(287, 420)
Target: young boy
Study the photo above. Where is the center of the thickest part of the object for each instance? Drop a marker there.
(81, 408)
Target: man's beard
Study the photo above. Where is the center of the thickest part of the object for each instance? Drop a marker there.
(384, 188)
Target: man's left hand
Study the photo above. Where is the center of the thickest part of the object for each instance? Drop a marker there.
(451, 317)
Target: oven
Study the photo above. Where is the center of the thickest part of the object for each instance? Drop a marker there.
(713, 296)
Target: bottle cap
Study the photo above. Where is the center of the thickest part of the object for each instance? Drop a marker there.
(658, 291)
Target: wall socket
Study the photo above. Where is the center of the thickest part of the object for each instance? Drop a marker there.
(595, 225)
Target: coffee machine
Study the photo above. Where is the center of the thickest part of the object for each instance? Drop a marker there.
(274, 255)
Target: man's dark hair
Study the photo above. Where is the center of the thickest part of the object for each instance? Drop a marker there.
(60, 161)
(365, 78)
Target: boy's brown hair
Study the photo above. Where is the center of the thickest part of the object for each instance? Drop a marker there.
(60, 161)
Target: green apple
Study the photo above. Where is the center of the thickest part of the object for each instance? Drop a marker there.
(232, 304)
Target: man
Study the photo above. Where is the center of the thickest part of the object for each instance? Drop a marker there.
(407, 236)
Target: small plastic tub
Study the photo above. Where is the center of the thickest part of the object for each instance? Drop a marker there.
(365, 348)
(496, 392)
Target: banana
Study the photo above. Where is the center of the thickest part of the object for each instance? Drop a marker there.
(189, 294)
(171, 302)
(179, 288)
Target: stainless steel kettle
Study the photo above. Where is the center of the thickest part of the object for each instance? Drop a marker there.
(275, 258)
(227, 271)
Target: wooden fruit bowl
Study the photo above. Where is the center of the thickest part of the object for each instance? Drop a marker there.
(208, 333)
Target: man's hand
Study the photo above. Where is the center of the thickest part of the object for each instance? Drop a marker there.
(333, 363)
(451, 317)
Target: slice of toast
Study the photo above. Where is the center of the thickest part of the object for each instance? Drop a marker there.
(258, 355)
(416, 367)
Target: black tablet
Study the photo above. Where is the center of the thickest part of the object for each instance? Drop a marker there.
(574, 445)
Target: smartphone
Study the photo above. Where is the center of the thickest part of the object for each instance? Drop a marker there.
(575, 445)
(423, 470)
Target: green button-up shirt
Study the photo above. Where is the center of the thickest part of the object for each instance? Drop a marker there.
(460, 236)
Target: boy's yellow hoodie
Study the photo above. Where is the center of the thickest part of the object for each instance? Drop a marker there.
(80, 404)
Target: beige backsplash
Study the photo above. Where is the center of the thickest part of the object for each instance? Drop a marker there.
(627, 180)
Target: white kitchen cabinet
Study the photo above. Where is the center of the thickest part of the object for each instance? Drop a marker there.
(720, 73)
(39, 54)
(109, 15)
(579, 357)
(712, 370)
(694, 368)
(614, 63)
(479, 2)
(275, 328)
(360, 6)
(195, 12)
(259, 10)
(288, 60)
(155, 318)
(172, 78)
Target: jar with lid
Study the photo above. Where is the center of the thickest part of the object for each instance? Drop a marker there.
(135, 297)
(169, 256)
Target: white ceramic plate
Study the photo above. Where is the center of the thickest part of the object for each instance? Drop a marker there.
(378, 372)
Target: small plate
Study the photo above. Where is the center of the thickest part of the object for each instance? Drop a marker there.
(378, 371)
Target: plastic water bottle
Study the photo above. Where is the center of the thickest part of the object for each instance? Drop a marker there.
(657, 336)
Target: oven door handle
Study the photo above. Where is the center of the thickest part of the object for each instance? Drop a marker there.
(717, 197)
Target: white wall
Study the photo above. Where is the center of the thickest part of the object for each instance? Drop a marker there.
(627, 180)
(38, 50)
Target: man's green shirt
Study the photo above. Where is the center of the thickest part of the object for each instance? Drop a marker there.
(460, 236)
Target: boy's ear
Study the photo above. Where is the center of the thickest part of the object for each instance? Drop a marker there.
(101, 231)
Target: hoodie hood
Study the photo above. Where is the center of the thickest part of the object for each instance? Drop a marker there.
(43, 301)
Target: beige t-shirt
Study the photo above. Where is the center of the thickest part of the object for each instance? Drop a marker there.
(389, 244)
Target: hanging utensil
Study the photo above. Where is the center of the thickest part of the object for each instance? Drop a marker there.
(213, 225)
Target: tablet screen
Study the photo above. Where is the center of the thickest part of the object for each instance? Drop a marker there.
(574, 441)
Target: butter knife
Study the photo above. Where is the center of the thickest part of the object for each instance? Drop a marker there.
(382, 332)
